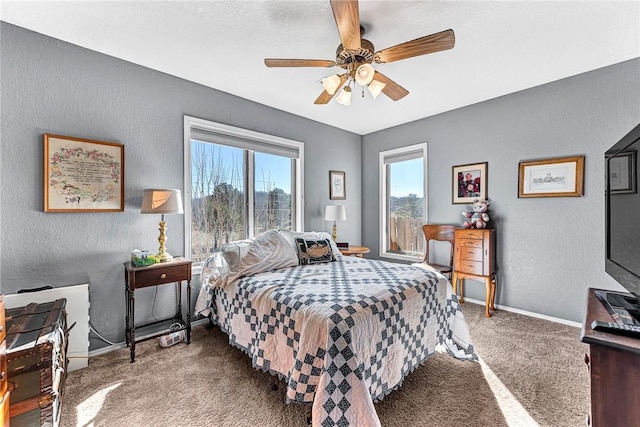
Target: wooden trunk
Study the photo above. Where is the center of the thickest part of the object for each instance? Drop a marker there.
(36, 340)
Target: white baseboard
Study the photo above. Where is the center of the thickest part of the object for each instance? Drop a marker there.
(117, 346)
(528, 313)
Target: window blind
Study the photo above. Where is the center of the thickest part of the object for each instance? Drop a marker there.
(245, 142)
(404, 156)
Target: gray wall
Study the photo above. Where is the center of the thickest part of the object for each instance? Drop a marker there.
(49, 86)
(550, 250)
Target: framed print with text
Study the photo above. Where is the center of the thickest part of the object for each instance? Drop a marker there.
(82, 175)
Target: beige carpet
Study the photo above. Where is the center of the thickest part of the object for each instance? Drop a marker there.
(531, 369)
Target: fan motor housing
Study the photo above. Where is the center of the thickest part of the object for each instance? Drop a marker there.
(344, 57)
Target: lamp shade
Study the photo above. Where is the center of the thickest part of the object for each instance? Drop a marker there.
(162, 201)
(335, 213)
(375, 87)
(331, 84)
(364, 74)
(345, 96)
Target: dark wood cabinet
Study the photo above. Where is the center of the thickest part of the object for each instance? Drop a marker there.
(176, 271)
(475, 258)
(614, 366)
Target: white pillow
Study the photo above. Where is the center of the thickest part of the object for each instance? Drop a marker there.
(267, 252)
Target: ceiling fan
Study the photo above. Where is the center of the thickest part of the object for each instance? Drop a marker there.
(356, 55)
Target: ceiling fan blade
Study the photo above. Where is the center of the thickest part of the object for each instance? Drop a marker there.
(347, 16)
(428, 44)
(272, 62)
(392, 89)
(325, 97)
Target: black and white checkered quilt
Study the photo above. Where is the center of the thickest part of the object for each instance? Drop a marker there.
(343, 334)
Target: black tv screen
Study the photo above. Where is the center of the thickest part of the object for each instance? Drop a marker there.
(623, 212)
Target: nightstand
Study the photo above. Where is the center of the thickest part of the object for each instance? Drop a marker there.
(178, 271)
(357, 251)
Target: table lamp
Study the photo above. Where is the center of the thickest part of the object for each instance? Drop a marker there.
(162, 201)
(335, 213)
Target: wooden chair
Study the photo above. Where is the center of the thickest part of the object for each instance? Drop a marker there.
(442, 233)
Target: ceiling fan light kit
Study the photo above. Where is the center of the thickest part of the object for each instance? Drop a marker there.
(364, 74)
(356, 54)
(331, 84)
(375, 88)
(345, 96)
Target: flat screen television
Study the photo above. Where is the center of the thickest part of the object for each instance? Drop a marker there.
(623, 214)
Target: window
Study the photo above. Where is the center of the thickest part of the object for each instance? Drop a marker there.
(238, 184)
(403, 202)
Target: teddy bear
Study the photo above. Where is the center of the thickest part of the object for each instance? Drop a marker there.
(478, 217)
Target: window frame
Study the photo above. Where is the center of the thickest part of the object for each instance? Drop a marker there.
(194, 123)
(383, 191)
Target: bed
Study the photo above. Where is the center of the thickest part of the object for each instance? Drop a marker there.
(342, 332)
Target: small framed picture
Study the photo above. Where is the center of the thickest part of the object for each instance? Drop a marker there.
(622, 173)
(469, 183)
(337, 185)
(556, 177)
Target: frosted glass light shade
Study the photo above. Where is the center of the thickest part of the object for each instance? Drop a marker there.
(335, 213)
(345, 96)
(375, 87)
(162, 201)
(364, 74)
(331, 84)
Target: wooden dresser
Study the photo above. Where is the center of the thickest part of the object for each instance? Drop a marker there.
(475, 258)
(614, 367)
(4, 390)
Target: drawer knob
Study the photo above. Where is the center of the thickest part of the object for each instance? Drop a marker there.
(163, 276)
(1, 328)
(2, 375)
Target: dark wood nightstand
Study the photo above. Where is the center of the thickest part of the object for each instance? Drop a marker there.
(177, 271)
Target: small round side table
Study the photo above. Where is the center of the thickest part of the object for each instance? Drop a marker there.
(355, 251)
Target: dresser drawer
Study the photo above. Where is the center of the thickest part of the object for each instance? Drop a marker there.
(468, 243)
(470, 267)
(158, 276)
(470, 254)
(474, 234)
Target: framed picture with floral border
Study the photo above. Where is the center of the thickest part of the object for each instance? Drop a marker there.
(337, 185)
(469, 182)
(82, 175)
(555, 177)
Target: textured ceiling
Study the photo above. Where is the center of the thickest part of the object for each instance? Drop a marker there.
(501, 47)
